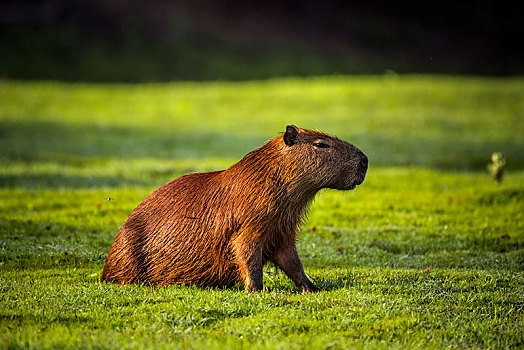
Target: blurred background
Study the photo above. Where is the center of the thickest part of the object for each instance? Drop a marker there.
(159, 40)
(429, 84)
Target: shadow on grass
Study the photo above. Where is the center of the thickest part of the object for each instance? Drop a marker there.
(66, 181)
(69, 143)
(46, 140)
(442, 153)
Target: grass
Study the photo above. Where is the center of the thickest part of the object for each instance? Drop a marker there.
(429, 252)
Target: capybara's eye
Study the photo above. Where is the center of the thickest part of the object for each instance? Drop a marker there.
(320, 144)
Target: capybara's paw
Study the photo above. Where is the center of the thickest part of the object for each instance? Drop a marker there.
(254, 285)
(311, 289)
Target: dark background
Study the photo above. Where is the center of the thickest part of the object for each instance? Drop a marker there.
(128, 40)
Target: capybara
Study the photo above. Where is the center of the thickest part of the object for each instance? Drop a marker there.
(220, 228)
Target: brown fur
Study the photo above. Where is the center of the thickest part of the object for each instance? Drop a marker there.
(220, 228)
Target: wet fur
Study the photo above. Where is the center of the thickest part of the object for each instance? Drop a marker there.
(220, 228)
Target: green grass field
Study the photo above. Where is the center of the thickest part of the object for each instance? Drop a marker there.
(428, 252)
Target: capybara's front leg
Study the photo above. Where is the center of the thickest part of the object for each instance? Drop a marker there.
(248, 256)
(287, 259)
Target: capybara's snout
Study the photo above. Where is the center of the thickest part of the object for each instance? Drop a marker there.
(363, 167)
(364, 162)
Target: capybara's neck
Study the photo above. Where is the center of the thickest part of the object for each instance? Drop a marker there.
(271, 181)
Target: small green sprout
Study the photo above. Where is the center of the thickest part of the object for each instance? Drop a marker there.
(496, 167)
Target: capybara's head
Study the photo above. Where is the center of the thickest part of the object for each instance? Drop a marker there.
(324, 161)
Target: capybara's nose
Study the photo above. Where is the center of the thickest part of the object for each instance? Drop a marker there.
(364, 161)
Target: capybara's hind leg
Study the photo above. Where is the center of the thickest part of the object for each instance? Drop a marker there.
(287, 259)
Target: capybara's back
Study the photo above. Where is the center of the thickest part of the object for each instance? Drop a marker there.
(173, 237)
(220, 228)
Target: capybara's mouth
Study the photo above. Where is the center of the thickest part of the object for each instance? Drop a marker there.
(358, 182)
(362, 177)
(354, 185)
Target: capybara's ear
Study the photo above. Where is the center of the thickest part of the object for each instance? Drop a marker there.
(290, 136)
